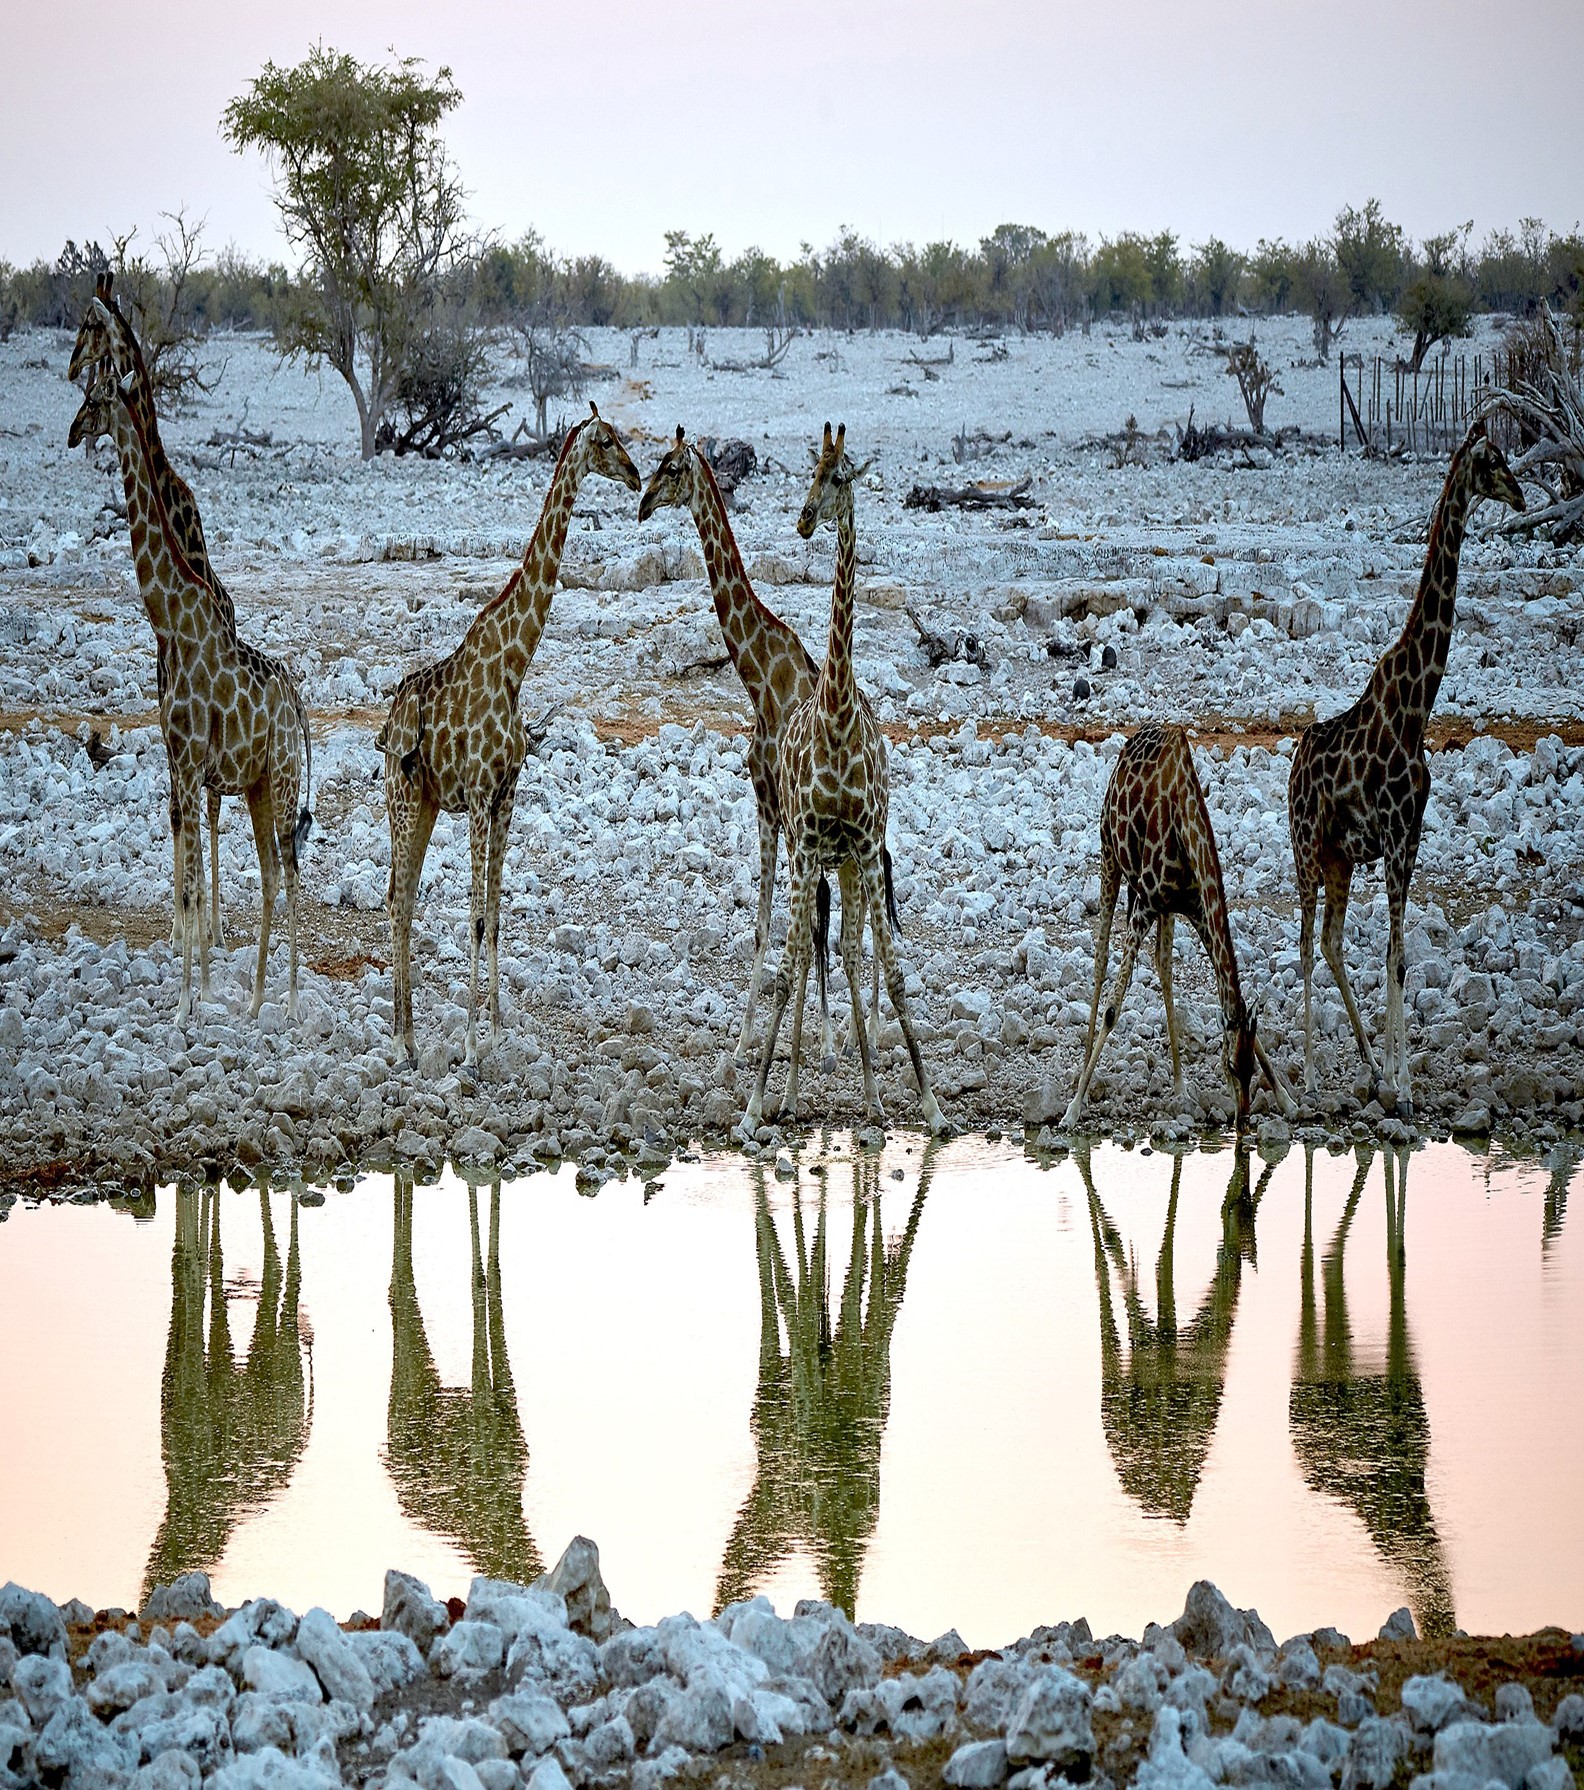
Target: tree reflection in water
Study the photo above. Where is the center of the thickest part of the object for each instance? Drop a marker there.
(230, 1435)
(457, 1455)
(1361, 1437)
(1159, 1404)
(819, 1412)
(1564, 1160)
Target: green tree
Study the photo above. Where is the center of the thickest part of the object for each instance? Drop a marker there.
(1214, 274)
(1372, 255)
(1438, 302)
(368, 197)
(1321, 289)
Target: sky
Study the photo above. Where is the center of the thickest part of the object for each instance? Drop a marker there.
(607, 122)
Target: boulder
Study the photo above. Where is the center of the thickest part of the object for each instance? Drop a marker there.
(1210, 1627)
(344, 1676)
(1378, 1743)
(980, 1765)
(1430, 1703)
(575, 1578)
(1050, 1722)
(32, 1622)
(390, 1658)
(411, 1610)
(699, 1720)
(184, 1599)
(1399, 1626)
(469, 1649)
(841, 1661)
(1509, 1750)
(531, 1723)
(279, 1677)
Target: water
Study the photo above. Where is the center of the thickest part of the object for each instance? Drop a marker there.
(941, 1386)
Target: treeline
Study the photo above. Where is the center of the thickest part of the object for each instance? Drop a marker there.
(1017, 277)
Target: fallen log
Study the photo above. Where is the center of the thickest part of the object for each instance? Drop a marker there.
(969, 497)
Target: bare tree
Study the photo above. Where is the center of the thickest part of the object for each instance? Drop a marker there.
(439, 398)
(1543, 402)
(555, 368)
(159, 297)
(1255, 380)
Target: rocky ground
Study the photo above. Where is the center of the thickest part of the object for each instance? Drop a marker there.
(1243, 596)
(547, 1686)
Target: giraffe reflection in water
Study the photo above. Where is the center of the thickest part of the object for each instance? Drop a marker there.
(457, 1455)
(1564, 1160)
(230, 1434)
(1363, 1437)
(1159, 1404)
(819, 1412)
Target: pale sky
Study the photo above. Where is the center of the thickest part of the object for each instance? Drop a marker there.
(604, 124)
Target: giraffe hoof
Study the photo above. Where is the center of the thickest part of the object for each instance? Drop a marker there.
(828, 1063)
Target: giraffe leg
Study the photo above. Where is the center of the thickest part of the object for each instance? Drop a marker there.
(1110, 886)
(412, 820)
(874, 993)
(1338, 876)
(1397, 1084)
(216, 928)
(1137, 927)
(185, 798)
(852, 900)
(1164, 932)
(769, 842)
(478, 851)
(261, 811)
(880, 924)
(1308, 892)
(500, 827)
(805, 878)
(789, 1099)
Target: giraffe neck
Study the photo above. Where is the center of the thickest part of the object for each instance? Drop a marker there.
(516, 618)
(838, 689)
(161, 571)
(1417, 663)
(176, 498)
(1216, 930)
(743, 619)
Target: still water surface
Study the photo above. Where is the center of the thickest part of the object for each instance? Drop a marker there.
(939, 1385)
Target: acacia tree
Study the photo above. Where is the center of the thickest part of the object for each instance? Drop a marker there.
(368, 196)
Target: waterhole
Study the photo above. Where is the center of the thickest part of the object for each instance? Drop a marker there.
(939, 1386)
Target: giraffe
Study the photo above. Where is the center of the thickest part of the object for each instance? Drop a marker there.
(1155, 833)
(1359, 782)
(1160, 1407)
(835, 796)
(820, 1409)
(1361, 1428)
(453, 741)
(230, 715)
(777, 671)
(106, 339)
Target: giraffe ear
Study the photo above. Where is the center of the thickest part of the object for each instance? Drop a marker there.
(97, 305)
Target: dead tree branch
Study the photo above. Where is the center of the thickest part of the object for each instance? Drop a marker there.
(969, 497)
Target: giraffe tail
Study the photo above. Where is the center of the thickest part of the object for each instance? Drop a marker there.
(305, 819)
(822, 911)
(891, 907)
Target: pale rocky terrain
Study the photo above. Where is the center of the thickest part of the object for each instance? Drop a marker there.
(1244, 596)
(547, 1686)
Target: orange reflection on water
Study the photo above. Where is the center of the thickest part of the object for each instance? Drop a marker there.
(984, 1393)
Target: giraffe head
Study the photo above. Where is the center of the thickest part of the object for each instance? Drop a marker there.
(95, 415)
(834, 477)
(673, 481)
(1240, 1057)
(1486, 470)
(597, 448)
(104, 336)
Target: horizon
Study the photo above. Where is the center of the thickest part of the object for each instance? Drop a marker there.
(612, 169)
